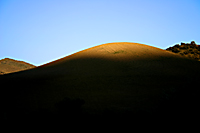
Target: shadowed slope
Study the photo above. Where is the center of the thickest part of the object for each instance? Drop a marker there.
(117, 77)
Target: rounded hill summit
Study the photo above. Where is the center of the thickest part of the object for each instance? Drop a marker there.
(116, 77)
(119, 51)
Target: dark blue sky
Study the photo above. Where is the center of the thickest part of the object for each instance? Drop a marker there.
(40, 31)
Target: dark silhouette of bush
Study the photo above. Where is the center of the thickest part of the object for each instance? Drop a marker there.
(170, 48)
(184, 46)
(175, 50)
(186, 52)
(177, 46)
(183, 43)
(196, 56)
(191, 50)
(2, 73)
(192, 46)
(193, 43)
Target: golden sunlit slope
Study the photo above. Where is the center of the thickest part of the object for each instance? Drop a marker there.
(133, 55)
(9, 66)
(119, 77)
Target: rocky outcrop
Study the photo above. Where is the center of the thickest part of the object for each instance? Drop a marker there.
(191, 50)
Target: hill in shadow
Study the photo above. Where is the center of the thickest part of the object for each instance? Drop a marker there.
(114, 81)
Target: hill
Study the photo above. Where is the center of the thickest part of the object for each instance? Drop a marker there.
(189, 50)
(112, 81)
(8, 65)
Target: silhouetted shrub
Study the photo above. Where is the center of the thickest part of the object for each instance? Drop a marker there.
(196, 56)
(175, 50)
(192, 52)
(193, 43)
(117, 52)
(183, 43)
(190, 56)
(186, 52)
(185, 47)
(170, 48)
(190, 49)
(1, 73)
(177, 45)
(192, 46)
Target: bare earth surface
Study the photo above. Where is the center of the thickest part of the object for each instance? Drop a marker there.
(9, 66)
(114, 79)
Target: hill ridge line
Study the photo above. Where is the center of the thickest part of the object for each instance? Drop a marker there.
(104, 44)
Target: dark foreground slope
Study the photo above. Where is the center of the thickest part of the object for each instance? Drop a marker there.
(112, 81)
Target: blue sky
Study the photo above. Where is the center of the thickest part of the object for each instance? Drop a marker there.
(40, 31)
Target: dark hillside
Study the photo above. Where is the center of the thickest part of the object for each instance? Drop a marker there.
(104, 83)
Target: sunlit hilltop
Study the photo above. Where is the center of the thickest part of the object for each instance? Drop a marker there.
(113, 79)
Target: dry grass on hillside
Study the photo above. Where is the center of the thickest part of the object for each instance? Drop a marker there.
(10, 65)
